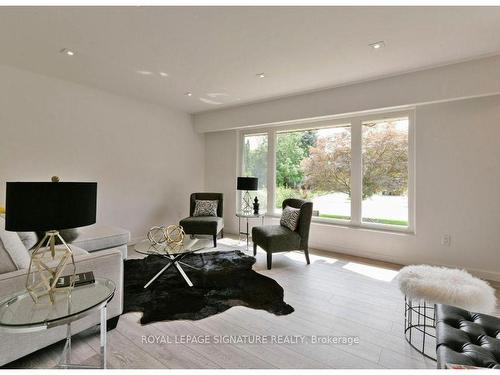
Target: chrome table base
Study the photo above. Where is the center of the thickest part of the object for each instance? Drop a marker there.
(176, 261)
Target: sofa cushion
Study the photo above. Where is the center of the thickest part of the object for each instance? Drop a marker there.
(99, 237)
(205, 208)
(77, 251)
(6, 262)
(68, 235)
(202, 224)
(275, 238)
(29, 239)
(290, 217)
(14, 247)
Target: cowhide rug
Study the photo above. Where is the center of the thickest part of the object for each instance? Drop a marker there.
(225, 279)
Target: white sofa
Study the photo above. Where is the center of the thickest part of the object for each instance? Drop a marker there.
(100, 237)
(97, 248)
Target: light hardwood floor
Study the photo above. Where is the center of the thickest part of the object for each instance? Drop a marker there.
(337, 295)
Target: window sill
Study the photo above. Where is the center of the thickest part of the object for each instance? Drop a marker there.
(346, 224)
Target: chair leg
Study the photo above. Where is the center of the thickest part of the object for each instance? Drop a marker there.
(269, 260)
(254, 249)
(222, 233)
(306, 251)
(215, 240)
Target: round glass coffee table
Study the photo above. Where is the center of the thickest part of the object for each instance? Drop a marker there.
(173, 254)
(20, 314)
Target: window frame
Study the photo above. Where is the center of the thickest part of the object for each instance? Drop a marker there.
(241, 163)
(355, 121)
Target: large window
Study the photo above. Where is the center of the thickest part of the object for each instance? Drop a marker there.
(255, 157)
(356, 171)
(385, 172)
(315, 165)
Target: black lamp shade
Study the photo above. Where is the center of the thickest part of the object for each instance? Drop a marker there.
(248, 183)
(43, 206)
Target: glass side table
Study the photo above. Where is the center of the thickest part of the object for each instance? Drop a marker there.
(173, 255)
(20, 314)
(241, 215)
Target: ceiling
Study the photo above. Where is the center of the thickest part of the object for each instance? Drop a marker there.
(217, 52)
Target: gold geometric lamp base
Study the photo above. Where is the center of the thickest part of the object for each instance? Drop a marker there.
(47, 265)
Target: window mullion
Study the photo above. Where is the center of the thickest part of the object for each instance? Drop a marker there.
(411, 172)
(240, 165)
(356, 172)
(271, 171)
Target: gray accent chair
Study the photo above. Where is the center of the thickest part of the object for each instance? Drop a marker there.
(277, 238)
(210, 225)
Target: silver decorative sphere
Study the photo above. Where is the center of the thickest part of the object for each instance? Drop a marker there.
(156, 235)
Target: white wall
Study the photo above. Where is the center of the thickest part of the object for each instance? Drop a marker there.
(146, 159)
(457, 191)
(221, 168)
(457, 81)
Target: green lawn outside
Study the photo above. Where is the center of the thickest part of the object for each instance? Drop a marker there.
(340, 217)
(377, 221)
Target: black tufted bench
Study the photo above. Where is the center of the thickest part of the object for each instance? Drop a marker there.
(467, 338)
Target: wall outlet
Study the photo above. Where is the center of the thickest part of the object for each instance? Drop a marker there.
(446, 240)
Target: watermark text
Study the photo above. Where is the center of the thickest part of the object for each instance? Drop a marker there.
(250, 339)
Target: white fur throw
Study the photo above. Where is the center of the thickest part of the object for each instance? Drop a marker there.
(447, 286)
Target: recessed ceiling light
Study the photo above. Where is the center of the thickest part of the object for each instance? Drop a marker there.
(67, 52)
(260, 75)
(163, 74)
(377, 45)
(188, 94)
(144, 72)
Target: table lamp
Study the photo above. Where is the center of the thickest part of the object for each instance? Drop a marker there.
(49, 207)
(247, 184)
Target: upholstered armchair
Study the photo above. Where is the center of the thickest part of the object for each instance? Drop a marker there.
(277, 238)
(211, 225)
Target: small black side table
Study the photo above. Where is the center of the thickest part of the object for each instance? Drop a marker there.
(240, 216)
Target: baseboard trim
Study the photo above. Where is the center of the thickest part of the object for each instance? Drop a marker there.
(483, 274)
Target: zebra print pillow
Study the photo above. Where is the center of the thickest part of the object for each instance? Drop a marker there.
(205, 208)
(290, 217)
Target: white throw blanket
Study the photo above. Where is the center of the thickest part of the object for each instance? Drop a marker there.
(447, 286)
